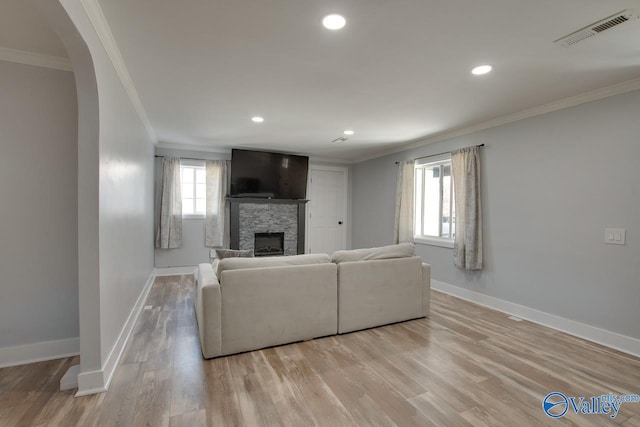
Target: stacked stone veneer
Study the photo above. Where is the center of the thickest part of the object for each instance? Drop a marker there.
(269, 218)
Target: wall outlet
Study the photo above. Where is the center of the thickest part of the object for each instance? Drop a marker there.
(615, 236)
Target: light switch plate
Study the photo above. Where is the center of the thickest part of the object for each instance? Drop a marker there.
(615, 236)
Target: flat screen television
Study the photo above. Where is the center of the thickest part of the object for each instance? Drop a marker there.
(268, 175)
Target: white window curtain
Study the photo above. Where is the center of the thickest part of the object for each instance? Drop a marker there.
(467, 249)
(216, 227)
(404, 202)
(169, 228)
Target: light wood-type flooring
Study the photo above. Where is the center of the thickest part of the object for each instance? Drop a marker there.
(465, 365)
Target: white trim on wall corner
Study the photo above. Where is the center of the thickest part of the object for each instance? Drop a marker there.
(571, 101)
(36, 59)
(91, 383)
(98, 381)
(39, 352)
(99, 22)
(603, 337)
(69, 380)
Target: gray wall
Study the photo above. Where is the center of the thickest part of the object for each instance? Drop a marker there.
(193, 250)
(126, 203)
(38, 214)
(552, 183)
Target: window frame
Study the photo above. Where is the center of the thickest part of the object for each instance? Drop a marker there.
(440, 160)
(195, 165)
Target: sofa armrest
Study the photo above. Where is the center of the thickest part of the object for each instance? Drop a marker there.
(208, 307)
(426, 289)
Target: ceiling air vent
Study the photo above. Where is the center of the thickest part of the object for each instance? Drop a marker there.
(598, 27)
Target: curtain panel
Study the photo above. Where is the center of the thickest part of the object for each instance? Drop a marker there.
(403, 228)
(467, 249)
(217, 223)
(169, 228)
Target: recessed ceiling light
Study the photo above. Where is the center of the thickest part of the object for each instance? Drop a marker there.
(349, 132)
(481, 69)
(257, 119)
(334, 21)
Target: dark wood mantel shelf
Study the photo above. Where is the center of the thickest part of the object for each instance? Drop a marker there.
(265, 200)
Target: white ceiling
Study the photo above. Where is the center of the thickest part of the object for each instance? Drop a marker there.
(22, 27)
(399, 71)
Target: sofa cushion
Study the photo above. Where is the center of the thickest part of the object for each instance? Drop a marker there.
(403, 250)
(274, 261)
(231, 253)
(377, 293)
(215, 264)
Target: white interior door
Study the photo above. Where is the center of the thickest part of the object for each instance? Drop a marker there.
(327, 209)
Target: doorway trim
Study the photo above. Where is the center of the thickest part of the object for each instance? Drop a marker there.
(345, 202)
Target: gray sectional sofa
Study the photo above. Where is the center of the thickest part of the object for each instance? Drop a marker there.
(246, 304)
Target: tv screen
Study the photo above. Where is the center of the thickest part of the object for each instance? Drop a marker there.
(268, 175)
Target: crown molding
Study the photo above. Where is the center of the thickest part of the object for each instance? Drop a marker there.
(335, 160)
(99, 22)
(33, 58)
(594, 95)
(191, 147)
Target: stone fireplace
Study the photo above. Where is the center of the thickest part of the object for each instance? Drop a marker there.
(256, 221)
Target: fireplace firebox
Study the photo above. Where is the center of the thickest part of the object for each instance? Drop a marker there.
(269, 244)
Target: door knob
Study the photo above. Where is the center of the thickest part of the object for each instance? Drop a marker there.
(339, 222)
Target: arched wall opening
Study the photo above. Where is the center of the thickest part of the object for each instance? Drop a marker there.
(115, 195)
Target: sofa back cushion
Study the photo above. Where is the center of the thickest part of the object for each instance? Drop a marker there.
(274, 261)
(403, 250)
(278, 305)
(379, 292)
(230, 253)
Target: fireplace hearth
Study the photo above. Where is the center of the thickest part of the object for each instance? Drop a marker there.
(268, 244)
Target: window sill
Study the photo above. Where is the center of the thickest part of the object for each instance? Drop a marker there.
(433, 241)
(193, 216)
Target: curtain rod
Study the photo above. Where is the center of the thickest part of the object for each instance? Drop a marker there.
(439, 154)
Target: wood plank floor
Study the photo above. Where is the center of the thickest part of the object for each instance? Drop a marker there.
(463, 366)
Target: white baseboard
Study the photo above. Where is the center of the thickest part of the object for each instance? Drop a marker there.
(91, 383)
(606, 338)
(69, 380)
(98, 381)
(175, 271)
(39, 352)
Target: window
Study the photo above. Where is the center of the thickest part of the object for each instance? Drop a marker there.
(434, 204)
(194, 188)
